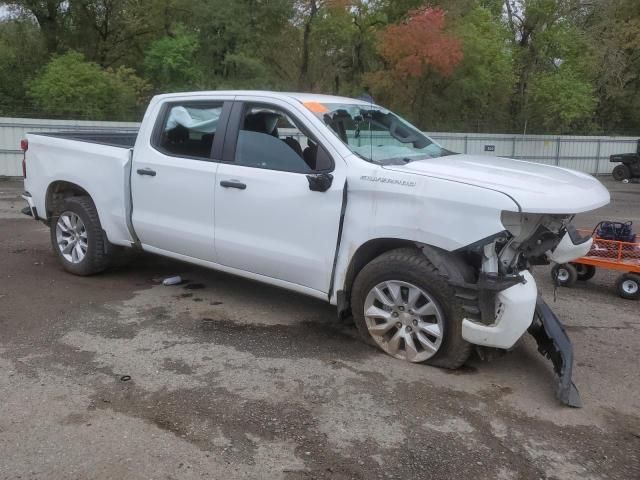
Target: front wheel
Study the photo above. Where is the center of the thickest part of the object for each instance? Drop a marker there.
(404, 307)
(77, 237)
(628, 286)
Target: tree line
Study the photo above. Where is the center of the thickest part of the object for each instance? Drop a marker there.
(535, 66)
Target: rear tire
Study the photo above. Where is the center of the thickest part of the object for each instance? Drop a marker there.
(584, 272)
(621, 172)
(564, 275)
(628, 286)
(77, 237)
(434, 316)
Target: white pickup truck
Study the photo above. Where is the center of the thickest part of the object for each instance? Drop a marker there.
(328, 196)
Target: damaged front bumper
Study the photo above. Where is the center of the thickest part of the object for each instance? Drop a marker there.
(554, 343)
(514, 308)
(519, 309)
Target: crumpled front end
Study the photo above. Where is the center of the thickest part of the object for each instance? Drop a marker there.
(508, 304)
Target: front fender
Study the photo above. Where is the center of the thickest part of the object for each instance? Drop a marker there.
(430, 211)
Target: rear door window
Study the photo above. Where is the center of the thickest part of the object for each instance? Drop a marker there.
(188, 130)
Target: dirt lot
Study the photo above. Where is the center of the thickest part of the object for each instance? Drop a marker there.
(240, 380)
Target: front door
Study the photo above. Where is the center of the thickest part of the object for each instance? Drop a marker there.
(173, 179)
(268, 220)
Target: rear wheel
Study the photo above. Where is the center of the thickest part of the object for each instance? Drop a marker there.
(621, 172)
(628, 286)
(404, 307)
(564, 274)
(77, 237)
(584, 272)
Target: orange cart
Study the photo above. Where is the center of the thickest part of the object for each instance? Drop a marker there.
(608, 254)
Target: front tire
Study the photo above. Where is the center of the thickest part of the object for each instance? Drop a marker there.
(77, 237)
(404, 307)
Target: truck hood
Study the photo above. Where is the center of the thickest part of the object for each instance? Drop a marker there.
(535, 187)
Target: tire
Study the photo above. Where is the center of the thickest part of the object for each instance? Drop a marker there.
(584, 272)
(403, 267)
(97, 254)
(621, 172)
(564, 275)
(628, 286)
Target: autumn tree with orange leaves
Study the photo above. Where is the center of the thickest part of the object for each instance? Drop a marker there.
(411, 50)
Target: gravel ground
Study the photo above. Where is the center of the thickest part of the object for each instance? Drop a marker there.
(117, 376)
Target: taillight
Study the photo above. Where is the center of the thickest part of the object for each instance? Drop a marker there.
(24, 146)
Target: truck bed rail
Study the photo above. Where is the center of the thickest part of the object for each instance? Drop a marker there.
(122, 138)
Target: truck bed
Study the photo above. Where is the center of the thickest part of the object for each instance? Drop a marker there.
(123, 139)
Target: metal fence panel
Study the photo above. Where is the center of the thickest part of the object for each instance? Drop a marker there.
(589, 154)
(12, 130)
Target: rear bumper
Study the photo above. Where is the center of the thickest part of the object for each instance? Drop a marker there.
(515, 307)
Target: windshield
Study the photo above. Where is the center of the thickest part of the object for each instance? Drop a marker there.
(376, 134)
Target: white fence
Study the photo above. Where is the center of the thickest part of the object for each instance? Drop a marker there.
(584, 153)
(12, 130)
(588, 154)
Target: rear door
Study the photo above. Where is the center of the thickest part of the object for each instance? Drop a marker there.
(173, 178)
(269, 219)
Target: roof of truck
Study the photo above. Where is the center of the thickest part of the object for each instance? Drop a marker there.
(301, 97)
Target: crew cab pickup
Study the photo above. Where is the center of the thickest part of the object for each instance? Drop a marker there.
(332, 197)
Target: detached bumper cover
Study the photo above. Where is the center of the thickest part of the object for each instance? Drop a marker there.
(554, 343)
(514, 312)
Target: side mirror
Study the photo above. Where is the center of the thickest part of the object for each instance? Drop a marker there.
(320, 182)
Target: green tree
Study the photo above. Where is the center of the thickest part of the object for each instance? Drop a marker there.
(169, 63)
(21, 55)
(474, 97)
(69, 86)
(49, 14)
(614, 33)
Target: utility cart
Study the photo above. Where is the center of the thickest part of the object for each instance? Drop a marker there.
(629, 168)
(615, 247)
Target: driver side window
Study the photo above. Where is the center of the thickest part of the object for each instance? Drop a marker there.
(269, 138)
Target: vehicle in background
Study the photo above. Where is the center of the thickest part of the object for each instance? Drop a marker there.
(629, 167)
(332, 197)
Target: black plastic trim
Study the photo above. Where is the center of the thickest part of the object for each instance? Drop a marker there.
(343, 210)
(553, 343)
(482, 242)
(232, 184)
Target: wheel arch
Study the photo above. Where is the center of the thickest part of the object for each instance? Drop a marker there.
(57, 191)
(363, 255)
(449, 263)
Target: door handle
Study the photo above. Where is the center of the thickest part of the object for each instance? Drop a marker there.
(146, 171)
(233, 184)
